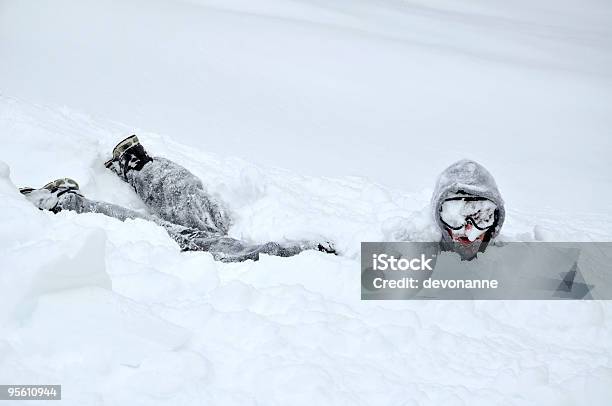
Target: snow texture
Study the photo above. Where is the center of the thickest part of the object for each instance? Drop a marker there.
(220, 246)
(368, 88)
(455, 212)
(119, 315)
(335, 91)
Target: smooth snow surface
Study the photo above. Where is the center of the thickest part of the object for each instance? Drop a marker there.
(393, 91)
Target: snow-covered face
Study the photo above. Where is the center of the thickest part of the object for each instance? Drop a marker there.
(466, 242)
(467, 234)
(467, 219)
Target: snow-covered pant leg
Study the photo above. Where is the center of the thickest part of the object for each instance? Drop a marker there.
(222, 248)
(178, 196)
(228, 249)
(183, 236)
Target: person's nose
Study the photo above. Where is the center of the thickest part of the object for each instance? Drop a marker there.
(468, 226)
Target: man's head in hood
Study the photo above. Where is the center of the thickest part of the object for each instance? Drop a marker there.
(468, 208)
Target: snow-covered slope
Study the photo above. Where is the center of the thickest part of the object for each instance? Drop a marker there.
(334, 92)
(118, 315)
(347, 87)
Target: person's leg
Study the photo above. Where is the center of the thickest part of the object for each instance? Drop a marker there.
(169, 190)
(228, 249)
(64, 194)
(178, 196)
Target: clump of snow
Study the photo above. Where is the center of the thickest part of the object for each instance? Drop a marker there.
(473, 233)
(454, 212)
(5, 171)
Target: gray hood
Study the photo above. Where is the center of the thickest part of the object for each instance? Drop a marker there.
(472, 178)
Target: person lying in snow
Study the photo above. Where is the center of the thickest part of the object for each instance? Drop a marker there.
(177, 200)
(468, 208)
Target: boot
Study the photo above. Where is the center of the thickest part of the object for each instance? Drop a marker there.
(47, 197)
(128, 155)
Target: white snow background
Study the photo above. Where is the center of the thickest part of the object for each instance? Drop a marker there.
(362, 103)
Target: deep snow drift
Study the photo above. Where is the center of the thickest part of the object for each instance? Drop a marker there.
(235, 89)
(118, 315)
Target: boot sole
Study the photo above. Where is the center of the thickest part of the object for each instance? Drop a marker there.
(124, 145)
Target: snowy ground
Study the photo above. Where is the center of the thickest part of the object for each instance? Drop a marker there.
(234, 91)
(343, 87)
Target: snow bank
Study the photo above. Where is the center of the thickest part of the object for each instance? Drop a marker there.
(392, 90)
(117, 314)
